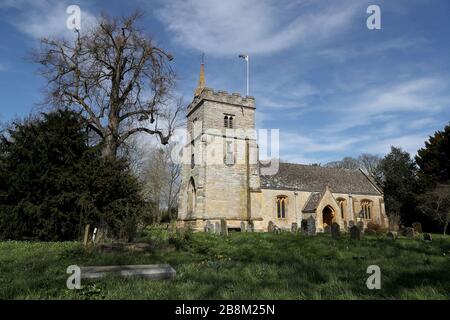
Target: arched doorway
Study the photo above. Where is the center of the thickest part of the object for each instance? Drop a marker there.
(328, 216)
(191, 196)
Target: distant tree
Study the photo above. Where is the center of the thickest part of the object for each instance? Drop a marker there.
(435, 203)
(345, 163)
(161, 178)
(434, 159)
(117, 77)
(397, 176)
(369, 163)
(53, 182)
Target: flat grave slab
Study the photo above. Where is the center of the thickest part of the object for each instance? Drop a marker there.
(149, 271)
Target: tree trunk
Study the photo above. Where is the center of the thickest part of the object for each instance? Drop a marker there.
(445, 228)
(110, 148)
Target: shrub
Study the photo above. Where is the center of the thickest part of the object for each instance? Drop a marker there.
(53, 182)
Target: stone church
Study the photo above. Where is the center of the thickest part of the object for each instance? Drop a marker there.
(222, 177)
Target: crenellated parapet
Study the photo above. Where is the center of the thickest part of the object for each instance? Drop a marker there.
(208, 94)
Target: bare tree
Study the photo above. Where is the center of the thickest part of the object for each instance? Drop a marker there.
(116, 76)
(436, 204)
(369, 163)
(161, 181)
(345, 163)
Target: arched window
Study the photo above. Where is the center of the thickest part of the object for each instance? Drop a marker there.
(281, 207)
(366, 208)
(230, 122)
(225, 121)
(342, 206)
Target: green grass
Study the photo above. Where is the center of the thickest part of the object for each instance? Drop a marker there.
(241, 266)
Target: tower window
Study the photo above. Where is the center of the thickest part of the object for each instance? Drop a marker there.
(228, 121)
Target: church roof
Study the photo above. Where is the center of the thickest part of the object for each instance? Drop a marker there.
(301, 177)
(313, 202)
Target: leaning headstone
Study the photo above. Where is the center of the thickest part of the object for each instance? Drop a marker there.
(294, 227)
(410, 233)
(270, 226)
(223, 227)
(304, 226)
(217, 228)
(417, 226)
(427, 237)
(360, 225)
(243, 228)
(335, 231)
(355, 233)
(391, 235)
(311, 226)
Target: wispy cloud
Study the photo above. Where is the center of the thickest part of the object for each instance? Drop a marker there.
(45, 18)
(228, 27)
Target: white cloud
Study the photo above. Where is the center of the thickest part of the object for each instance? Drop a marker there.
(228, 27)
(410, 143)
(46, 18)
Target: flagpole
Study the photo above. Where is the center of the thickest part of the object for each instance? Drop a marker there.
(248, 62)
(246, 58)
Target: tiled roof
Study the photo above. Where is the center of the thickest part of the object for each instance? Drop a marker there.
(301, 177)
(313, 202)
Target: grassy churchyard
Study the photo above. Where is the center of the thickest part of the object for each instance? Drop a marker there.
(240, 266)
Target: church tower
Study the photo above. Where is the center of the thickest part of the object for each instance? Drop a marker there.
(220, 174)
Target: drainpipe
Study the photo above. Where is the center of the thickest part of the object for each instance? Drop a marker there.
(350, 207)
(295, 208)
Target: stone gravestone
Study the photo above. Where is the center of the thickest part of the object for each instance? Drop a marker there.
(391, 235)
(276, 230)
(370, 232)
(250, 227)
(327, 229)
(360, 225)
(355, 233)
(243, 228)
(351, 223)
(270, 226)
(311, 226)
(410, 233)
(217, 228)
(223, 227)
(335, 231)
(304, 226)
(427, 237)
(294, 227)
(417, 226)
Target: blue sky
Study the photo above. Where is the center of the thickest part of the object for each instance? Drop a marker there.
(333, 87)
